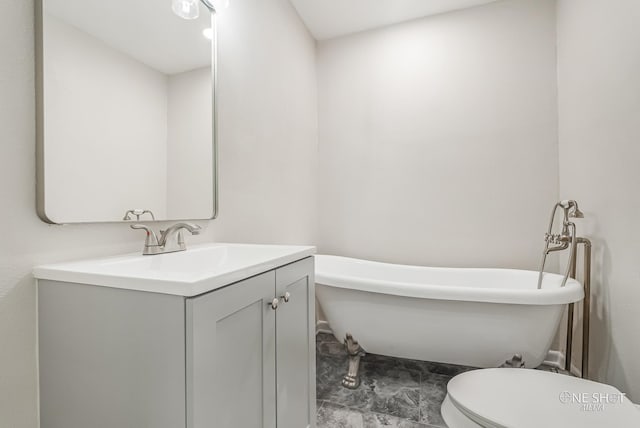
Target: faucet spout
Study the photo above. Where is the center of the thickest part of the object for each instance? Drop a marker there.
(170, 240)
(170, 244)
(176, 229)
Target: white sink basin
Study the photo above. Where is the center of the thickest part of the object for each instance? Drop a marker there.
(188, 273)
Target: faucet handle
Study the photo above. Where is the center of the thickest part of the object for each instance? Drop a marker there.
(151, 239)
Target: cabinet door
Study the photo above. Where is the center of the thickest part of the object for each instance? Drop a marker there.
(231, 356)
(109, 358)
(295, 345)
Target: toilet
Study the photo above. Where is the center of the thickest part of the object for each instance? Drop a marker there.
(525, 398)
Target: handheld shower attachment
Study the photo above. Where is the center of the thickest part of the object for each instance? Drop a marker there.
(563, 240)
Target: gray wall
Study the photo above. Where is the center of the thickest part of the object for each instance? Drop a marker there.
(267, 152)
(599, 83)
(438, 138)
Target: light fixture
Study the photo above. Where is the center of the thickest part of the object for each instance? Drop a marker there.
(186, 9)
(208, 33)
(190, 9)
(216, 5)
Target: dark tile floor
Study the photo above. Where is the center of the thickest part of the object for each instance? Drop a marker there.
(393, 392)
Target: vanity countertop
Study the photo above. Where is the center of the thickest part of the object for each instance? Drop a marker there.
(200, 269)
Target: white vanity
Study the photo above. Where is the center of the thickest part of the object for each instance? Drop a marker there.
(221, 335)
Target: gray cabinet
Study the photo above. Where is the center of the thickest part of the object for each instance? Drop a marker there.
(225, 359)
(295, 346)
(110, 358)
(231, 356)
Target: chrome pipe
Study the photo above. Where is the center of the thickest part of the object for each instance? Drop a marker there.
(541, 273)
(572, 255)
(569, 346)
(586, 306)
(586, 312)
(570, 311)
(568, 356)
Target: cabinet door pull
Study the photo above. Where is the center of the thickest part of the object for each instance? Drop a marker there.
(286, 297)
(274, 303)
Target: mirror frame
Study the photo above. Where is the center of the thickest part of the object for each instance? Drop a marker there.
(40, 137)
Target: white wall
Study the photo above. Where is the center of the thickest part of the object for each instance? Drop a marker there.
(599, 107)
(268, 124)
(111, 110)
(281, 55)
(144, 119)
(189, 149)
(438, 138)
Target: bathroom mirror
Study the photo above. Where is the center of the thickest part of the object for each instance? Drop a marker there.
(126, 110)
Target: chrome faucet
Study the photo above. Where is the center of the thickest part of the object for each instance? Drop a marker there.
(563, 240)
(171, 239)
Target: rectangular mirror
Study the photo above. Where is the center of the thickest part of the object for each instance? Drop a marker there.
(126, 110)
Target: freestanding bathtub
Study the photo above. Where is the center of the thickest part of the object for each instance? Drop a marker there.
(473, 317)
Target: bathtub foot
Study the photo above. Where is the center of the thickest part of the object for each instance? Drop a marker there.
(351, 380)
(515, 362)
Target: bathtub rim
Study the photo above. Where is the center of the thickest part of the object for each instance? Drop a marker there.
(572, 292)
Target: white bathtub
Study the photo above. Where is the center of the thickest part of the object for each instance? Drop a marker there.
(474, 317)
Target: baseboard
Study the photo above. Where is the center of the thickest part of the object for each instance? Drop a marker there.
(556, 359)
(323, 327)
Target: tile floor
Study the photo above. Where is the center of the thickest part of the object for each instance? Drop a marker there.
(393, 392)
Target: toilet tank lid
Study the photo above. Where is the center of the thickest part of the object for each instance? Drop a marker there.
(526, 398)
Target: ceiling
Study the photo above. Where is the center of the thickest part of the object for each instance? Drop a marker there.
(141, 29)
(156, 37)
(327, 19)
